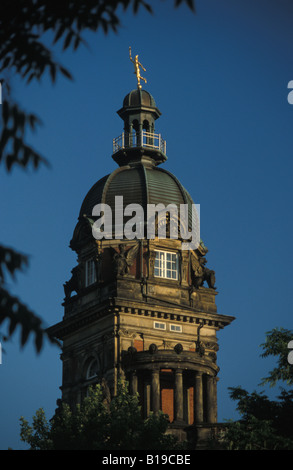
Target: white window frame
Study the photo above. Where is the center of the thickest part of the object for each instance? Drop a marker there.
(176, 328)
(90, 272)
(159, 325)
(166, 265)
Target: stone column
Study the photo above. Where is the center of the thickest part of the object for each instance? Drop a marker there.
(133, 383)
(156, 399)
(184, 267)
(147, 398)
(178, 395)
(215, 381)
(139, 135)
(129, 140)
(211, 400)
(198, 398)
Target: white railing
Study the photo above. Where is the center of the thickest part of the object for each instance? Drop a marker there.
(139, 139)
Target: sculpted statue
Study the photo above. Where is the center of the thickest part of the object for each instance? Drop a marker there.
(201, 273)
(137, 64)
(74, 282)
(124, 259)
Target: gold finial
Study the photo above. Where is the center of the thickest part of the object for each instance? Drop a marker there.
(137, 64)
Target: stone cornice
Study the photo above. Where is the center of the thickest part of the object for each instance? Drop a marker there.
(79, 319)
(125, 306)
(174, 313)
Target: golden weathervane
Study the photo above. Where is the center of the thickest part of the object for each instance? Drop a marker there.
(137, 64)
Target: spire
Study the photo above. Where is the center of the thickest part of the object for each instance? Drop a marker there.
(138, 141)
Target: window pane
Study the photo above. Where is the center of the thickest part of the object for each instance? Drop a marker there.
(176, 328)
(90, 275)
(166, 265)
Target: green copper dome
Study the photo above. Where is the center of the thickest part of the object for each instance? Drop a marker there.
(137, 184)
(139, 97)
(139, 180)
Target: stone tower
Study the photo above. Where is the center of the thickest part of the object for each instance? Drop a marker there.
(142, 309)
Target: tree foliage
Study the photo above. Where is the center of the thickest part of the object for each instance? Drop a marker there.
(97, 425)
(24, 25)
(276, 345)
(11, 308)
(265, 424)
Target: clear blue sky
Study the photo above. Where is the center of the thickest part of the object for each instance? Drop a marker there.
(220, 80)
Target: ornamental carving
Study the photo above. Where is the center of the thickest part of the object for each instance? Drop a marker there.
(200, 348)
(125, 259)
(151, 264)
(178, 348)
(212, 346)
(153, 348)
(213, 356)
(127, 333)
(200, 273)
(75, 282)
(184, 266)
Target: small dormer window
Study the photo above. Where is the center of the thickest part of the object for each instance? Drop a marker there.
(90, 272)
(166, 265)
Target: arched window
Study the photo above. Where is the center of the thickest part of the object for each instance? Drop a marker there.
(135, 125)
(146, 125)
(92, 369)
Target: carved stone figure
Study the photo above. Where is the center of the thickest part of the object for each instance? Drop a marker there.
(210, 277)
(153, 348)
(59, 404)
(124, 260)
(201, 273)
(74, 282)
